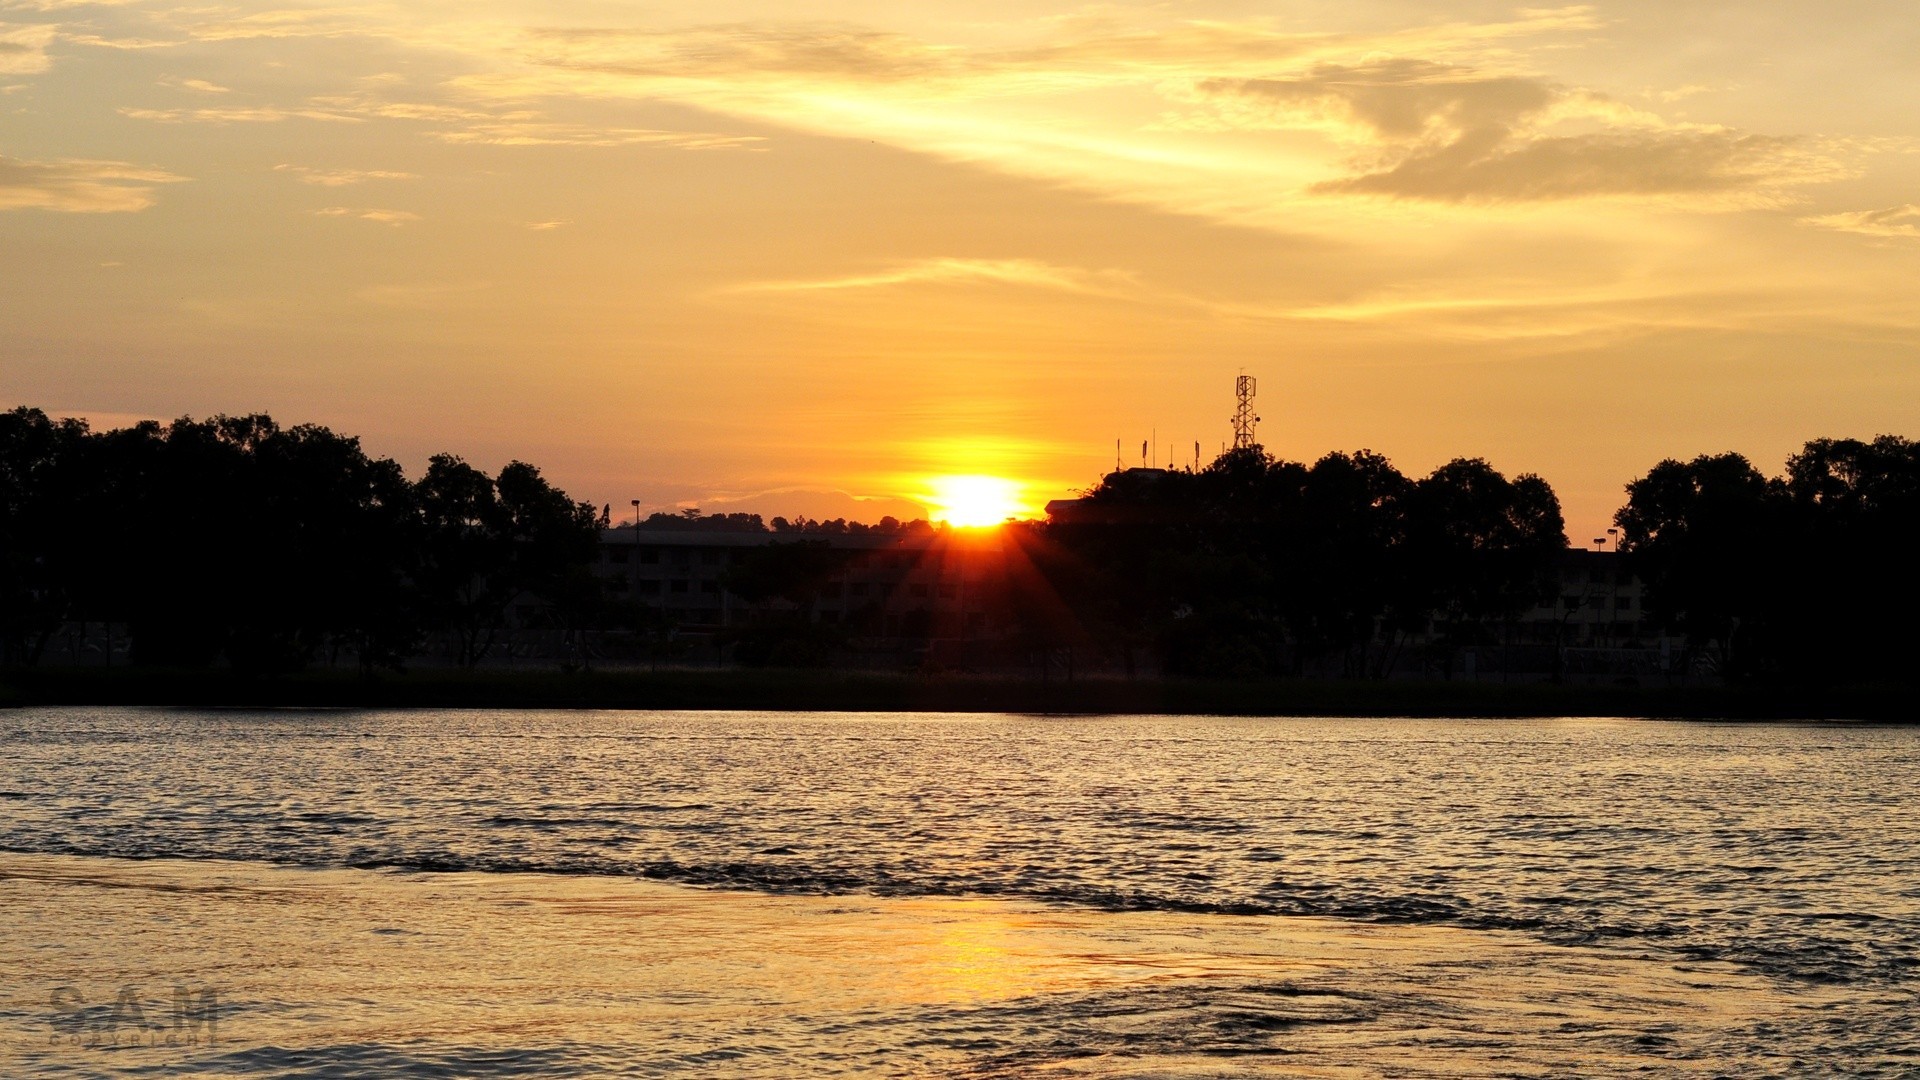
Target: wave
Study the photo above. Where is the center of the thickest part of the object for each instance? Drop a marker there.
(1810, 957)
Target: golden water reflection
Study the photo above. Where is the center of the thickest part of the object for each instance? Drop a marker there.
(405, 974)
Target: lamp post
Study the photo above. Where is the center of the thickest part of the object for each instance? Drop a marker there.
(638, 604)
(1605, 626)
(1614, 587)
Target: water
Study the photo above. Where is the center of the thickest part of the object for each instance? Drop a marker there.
(1162, 896)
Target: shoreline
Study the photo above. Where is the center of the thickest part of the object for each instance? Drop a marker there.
(843, 691)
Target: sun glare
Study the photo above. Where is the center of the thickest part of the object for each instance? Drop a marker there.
(967, 501)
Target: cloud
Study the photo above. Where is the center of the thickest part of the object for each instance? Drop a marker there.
(1680, 93)
(257, 114)
(78, 186)
(62, 5)
(23, 49)
(761, 49)
(1396, 99)
(1492, 165)
(523, 130)
(1450, 133)
(460, 124)
(470, 125)
(342, 177)
(544, 226)
(816, 52)
(198, 85)
(1438, 113)
(395, 218)
(1894, 221)
(957, 271)
(1445, 112)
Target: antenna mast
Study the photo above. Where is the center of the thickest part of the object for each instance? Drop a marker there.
(1243, 418)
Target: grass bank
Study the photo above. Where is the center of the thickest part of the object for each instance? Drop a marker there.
(873, 692)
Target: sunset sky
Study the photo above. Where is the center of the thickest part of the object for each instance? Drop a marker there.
(740, 254)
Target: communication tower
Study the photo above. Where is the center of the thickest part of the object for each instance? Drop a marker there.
(1243, 418)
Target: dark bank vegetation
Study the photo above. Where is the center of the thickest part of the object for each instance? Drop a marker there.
(1257, 566)
(268, 548)
(1809, 576)
(237, 544)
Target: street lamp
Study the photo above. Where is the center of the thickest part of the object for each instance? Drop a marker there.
(1613, 618)
(640, 606)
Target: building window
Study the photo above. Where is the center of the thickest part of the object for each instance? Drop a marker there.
(949, 590)
(619, 553)
(650, 555)
(917, 589)
(677, 586)
(650, 587)
(711, 557)
(618, 585)
(711, 588)
(858, 588)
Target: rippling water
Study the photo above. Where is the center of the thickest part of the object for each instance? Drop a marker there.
(1782, 854)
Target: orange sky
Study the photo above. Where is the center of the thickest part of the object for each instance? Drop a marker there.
(744, 254)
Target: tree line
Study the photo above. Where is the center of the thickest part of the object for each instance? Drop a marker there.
(1255, 565)
(237, 540)
(1810, 575)
(234, 540)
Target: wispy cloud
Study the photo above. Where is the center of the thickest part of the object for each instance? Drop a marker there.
(62, 5)
(1026, 273)
(23, 49)
(1446, 132)
(246, 114)
(1442, 113)
(512, 130)
(384, 217)
(79, 186)
(1679, 93)
(1723, 168)
(200, 86)
(342, 177)
(451, 123)
(820, 53)
(1901, 222)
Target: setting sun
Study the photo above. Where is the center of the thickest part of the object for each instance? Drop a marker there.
(966, 501)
